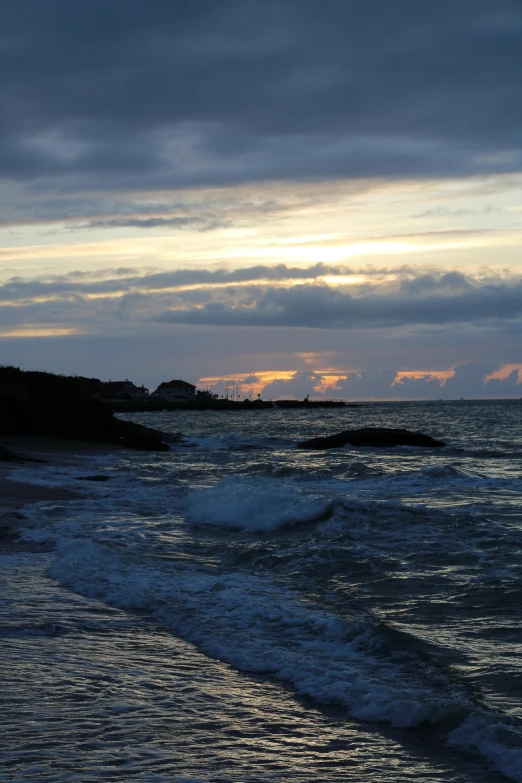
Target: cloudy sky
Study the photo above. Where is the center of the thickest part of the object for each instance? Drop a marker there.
(318, 197)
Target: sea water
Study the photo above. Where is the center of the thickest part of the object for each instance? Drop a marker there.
(237, 609)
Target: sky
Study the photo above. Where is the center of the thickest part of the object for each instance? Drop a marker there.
(320, 197)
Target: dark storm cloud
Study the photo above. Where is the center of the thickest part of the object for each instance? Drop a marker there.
(323, 307)
(449, 282)
(171, 93)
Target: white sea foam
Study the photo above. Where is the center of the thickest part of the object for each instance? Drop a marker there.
(255, 505)
(493, 740)
(256, 625)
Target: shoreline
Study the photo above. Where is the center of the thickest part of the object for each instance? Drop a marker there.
(15, 495)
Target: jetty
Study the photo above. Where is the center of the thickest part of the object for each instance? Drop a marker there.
(206, 404)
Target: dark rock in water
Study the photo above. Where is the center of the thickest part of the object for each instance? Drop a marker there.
(143, 443)
(136, 436)
(164, 437)
(96, 477)
(380, 437)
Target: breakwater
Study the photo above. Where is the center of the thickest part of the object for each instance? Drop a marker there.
(124, 406)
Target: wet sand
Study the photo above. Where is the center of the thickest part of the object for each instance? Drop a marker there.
(51, 451)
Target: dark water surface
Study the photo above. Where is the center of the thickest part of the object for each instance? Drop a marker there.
(240, 610)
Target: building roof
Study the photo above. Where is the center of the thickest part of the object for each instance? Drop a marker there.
(116, 387)
(176, 385)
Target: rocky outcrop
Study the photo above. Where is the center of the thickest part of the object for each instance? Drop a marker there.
(136, 436)
(380, 437)
(56, 406)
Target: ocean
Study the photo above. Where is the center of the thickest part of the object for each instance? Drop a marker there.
(237, 609)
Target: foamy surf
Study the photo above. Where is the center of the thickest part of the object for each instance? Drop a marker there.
(255, 505)
(253, 624)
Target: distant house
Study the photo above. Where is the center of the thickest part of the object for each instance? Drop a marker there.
(123, 390)
(176, 391)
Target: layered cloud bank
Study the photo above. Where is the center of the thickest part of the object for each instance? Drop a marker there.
(225, 189)
(360, 321)
(263, 296)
